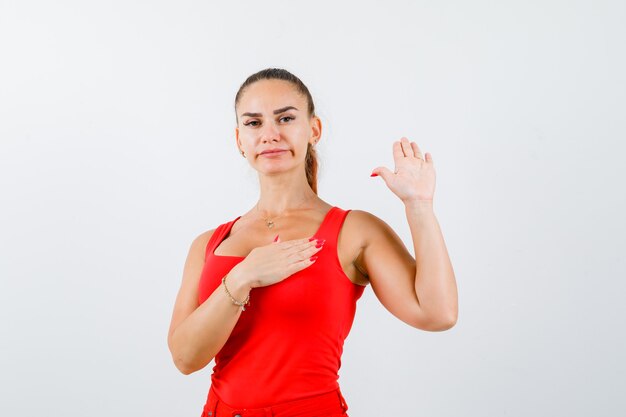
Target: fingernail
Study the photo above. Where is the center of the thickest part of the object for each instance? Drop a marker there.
(319, 245)
(374, 174)
(311, 239)
(276, 238)
(313, 258)
(321, 241)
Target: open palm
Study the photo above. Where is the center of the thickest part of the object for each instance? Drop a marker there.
(414, 177)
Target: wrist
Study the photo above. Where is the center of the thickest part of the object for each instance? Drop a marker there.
(239, 280)
(425, 205)
(234, 297)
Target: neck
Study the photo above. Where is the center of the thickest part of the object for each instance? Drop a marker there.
(283, 192)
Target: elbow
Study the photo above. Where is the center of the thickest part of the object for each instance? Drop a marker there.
(185, 367)
(447, 322)
(436, 323)
(446, 318)
(182, 362)
(186, 370)
(180, 356)
(177, 358)
(187, 363)
(439, 326)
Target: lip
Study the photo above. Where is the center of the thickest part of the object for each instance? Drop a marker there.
(273, 151)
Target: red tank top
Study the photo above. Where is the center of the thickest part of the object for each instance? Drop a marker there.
(288, 343)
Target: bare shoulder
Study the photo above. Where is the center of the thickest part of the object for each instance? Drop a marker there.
(198, 245)
(378, 244)
(360, 230)
(365, 226)
(195, 260)
(374, 232)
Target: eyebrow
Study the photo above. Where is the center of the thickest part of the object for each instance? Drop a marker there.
(277, 111)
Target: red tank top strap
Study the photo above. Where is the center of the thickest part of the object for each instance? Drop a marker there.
(331, 226)
(218, 236)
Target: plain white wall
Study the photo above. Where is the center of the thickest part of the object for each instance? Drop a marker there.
(117, 149)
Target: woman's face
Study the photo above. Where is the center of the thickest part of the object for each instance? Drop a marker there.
(273, 117)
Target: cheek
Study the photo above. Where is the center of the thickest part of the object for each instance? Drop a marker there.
(246, 138)
(300, 131)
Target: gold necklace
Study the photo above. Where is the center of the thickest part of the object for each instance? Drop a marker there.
(270, 223)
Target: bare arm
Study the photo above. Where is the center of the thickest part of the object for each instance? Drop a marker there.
(435, 283)
(197, 333)
(420, 291)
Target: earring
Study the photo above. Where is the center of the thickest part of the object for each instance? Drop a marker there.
(242, 153)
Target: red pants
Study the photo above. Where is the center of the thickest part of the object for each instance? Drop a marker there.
(330, 404)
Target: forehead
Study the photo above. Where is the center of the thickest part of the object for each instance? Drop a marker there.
(268, 95)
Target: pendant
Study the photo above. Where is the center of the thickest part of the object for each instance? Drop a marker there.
(269, 223)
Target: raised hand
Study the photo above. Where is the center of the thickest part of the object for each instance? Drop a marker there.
(414, 177)
(269, 264)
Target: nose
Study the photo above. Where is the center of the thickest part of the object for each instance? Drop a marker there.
(270, 132)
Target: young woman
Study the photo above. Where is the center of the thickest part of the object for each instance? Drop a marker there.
(271, 294)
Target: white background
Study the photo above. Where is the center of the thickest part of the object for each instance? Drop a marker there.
(117, 149)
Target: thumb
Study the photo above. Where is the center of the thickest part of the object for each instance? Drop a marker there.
(383, 172)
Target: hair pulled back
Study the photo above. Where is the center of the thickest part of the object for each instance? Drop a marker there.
(282, 74)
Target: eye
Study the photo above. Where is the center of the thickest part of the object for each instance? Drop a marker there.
(255, 122)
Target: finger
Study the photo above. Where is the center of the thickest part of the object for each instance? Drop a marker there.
(398, 154)
(303, 254)
(297, 245)
(406, 147)
(295, 257)
(297, 242)
(300, 265)
(308, 244)
(416, 150)
(310, 251)
(429, 157)
(383, 172)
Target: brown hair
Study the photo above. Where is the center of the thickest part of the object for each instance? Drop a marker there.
(282, 74)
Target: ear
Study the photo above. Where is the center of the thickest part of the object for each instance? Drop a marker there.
(316, 130)
(237, 139)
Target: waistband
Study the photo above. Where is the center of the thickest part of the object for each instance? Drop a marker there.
(330, 404)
